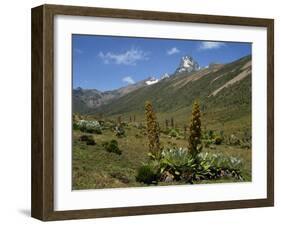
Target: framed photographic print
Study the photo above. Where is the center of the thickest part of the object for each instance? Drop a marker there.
(141, 112)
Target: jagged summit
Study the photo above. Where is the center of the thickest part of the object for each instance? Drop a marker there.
(165, 75)
(187, 64)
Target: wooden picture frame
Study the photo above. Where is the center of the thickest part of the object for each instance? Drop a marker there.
(42, 203)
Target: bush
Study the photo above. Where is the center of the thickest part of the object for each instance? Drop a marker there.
(75, 126)
(91, 142)
(112, 146)
(85, 138)
(147, 174)
(218, 140)
(89, 126)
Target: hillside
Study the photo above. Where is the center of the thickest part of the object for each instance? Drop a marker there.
(224, 92)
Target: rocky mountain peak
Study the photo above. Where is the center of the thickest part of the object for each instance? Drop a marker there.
(187, 64)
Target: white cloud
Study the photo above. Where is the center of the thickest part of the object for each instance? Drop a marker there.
(173, 50)
(128, 80)
(130, 57)
(210, 45)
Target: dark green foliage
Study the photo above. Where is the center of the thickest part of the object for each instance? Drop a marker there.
(75, 126)
(218, 140)
(85, 137)
(88, 139)
(112, 146)
(147, 174)
(91, 142)
(92, 130)
(194, 141)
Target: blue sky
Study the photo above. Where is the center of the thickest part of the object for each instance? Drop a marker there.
(107, 62)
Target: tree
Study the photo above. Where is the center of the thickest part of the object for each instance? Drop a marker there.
(194, 141)
(152, 130)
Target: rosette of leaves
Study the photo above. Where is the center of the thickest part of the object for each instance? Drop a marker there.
(178, 162)
(220, 165)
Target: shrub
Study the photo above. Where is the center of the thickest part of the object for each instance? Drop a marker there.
(147, 174)
(75, 126)
(218, 140)
(89, 126)
(91, 142)
(112, 146)
(85, 137)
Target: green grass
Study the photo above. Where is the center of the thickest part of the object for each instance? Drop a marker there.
(94, 167)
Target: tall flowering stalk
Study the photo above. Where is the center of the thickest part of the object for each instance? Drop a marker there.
(194, 140)
(152, 130)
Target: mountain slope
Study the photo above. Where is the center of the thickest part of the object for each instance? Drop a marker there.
(85, 100)
(216, 86)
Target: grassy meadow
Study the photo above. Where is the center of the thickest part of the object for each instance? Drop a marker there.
(94, 167)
